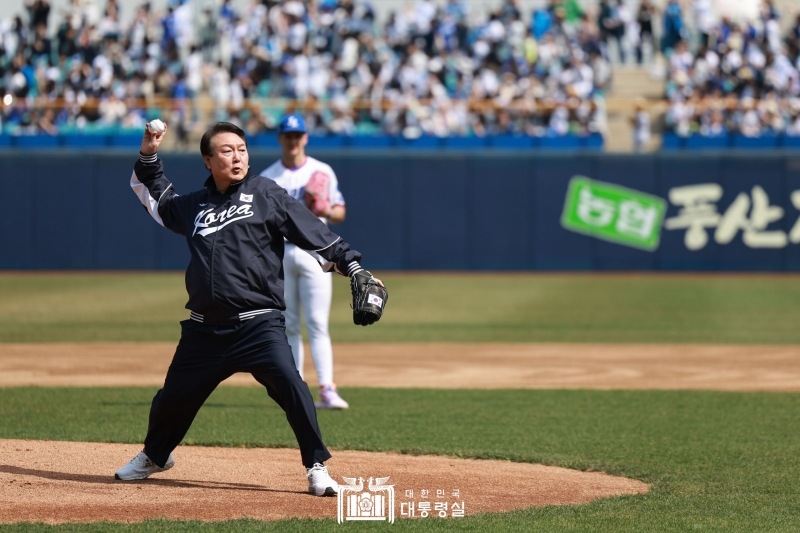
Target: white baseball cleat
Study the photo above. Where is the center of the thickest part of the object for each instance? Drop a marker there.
(329, 398)
(141, 467)
(319, 482)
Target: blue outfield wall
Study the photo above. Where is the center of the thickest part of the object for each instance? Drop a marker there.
(420, 210)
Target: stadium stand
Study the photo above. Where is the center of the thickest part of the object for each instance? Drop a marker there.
(740, 88)
(416, 80)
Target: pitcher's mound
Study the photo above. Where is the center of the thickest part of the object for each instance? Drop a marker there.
(74, 482)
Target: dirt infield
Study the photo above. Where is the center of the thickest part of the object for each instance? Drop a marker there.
(54, 481)
(73, 482)
(592, 366)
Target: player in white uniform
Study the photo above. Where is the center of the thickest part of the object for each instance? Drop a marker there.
(306, 286)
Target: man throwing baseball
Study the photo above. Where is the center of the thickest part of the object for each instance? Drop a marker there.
(307, 287)
(235, 227)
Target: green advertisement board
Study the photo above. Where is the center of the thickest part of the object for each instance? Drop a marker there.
(613, 213)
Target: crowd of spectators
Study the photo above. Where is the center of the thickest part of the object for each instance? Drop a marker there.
(434, 69)
(742, 78)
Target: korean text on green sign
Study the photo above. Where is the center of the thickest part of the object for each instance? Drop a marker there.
(613, 213)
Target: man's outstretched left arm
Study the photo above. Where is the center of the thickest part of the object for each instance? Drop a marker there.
(303, 229)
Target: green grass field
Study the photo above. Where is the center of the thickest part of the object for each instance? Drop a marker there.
(488, 307)
(722, 462)
(716, 461)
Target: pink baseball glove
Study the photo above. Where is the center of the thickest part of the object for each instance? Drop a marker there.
(316, 195)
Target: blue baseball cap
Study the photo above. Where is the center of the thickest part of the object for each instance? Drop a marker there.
(292, 123)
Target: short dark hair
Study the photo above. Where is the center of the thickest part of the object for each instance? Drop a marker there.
(219, 127)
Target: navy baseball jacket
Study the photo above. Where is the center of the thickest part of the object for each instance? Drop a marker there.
(236, 239)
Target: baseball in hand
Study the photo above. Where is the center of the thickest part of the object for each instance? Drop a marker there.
(156, 126)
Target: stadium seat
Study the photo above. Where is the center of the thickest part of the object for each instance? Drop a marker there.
(327, 141)
(263, 89)
(274, 115)
(702, 142)
(371, 141)
(672, 141)
(764, 142)
(367, 128)
(5, 140)
(36, 141)
(513, 142)
(472, 141)
(86, 140)
(567, 142)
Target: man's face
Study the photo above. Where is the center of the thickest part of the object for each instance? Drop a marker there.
(229, 160)
(293, 143)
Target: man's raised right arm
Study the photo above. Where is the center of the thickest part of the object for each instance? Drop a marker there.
(151, 186)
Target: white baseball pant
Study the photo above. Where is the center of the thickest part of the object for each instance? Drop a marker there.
(307, 286)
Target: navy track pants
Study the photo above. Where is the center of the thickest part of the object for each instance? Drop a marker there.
(207, 355)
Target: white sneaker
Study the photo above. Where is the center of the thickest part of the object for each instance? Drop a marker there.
(141, 467)
(329, 398)
(320, 483)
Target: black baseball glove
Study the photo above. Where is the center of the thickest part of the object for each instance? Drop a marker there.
(369, 298)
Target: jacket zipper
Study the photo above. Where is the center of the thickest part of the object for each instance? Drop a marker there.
(213, 242)
(213, 246)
